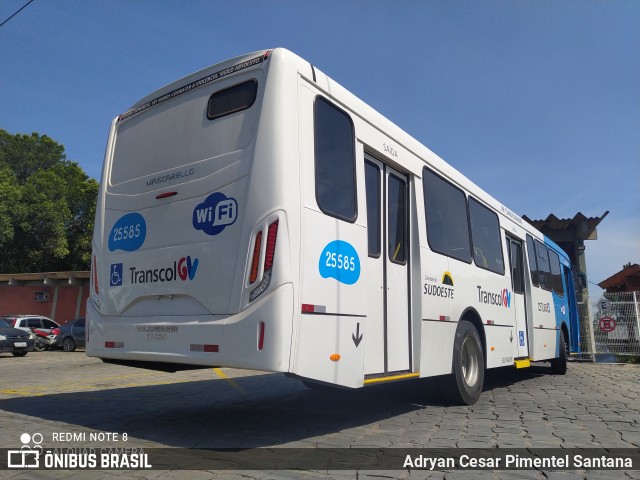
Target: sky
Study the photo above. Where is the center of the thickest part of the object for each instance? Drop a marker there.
(536, 101)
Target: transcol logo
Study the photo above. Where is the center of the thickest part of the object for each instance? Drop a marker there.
(215, 214)
(502, 298)
(183, 269)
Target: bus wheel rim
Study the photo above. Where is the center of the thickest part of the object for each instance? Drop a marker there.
(469, 362)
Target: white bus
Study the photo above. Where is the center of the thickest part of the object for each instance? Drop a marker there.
(257, 215)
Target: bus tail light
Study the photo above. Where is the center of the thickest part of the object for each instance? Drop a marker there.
(256, 258)
(271, 245)
(96, 289)
(260, 335)
(272, 234)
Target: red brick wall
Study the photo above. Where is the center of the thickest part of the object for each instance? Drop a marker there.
(66, 306)
(20, 300)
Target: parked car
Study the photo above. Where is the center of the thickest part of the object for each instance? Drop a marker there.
(71, 335)
(29, 322)
(15, 340)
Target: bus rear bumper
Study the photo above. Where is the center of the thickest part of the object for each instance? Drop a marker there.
(257, 338)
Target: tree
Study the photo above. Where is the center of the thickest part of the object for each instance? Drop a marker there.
(47, 206)
(26, 154)
(9, 202)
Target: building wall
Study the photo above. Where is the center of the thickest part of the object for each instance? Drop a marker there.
(64, 302)
(68, 303)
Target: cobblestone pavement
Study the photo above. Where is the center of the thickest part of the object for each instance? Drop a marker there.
(52, 393)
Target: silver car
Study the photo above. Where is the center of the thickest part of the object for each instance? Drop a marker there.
(30, 322)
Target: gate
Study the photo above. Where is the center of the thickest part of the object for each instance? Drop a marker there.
(610, 326)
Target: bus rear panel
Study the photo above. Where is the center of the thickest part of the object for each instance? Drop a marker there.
(190, 241)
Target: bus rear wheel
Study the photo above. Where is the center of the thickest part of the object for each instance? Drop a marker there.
(464, 386)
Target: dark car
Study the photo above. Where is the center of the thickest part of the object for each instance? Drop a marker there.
(14, 340)
(71, 335)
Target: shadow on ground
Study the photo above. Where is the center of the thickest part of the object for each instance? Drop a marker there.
(252, 411)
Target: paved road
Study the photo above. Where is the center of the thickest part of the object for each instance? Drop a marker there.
(54, 393)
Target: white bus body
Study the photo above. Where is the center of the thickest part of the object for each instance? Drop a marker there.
(257, 215)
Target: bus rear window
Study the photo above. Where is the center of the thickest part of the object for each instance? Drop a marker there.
(233, 99)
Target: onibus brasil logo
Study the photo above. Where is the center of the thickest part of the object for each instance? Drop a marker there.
(28, 456)
(33, 456)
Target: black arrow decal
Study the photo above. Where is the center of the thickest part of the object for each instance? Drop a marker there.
(357, 337)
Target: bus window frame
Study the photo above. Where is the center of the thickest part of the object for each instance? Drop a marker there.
(322, 208)
(473, 247)
(543, 285)
(378, 251)
(555, 277)
(405, 219)
(253, 81)
(531, 245)
(468, 260)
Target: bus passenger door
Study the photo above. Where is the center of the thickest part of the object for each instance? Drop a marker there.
(388, 343)
(516, 260)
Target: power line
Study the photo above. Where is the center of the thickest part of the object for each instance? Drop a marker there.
(17, 12)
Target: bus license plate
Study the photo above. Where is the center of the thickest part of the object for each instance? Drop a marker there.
(20, 344)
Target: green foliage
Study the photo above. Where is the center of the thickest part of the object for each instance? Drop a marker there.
(27, 154)
(9, 203)
(47, 207)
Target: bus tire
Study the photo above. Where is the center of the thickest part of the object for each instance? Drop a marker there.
(464, 385)
(559, 365)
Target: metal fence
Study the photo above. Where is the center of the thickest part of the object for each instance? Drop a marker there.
(610, 326)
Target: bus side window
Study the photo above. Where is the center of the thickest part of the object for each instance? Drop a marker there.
(335, 161)
(372, 182)
(517, 269)
(533, 264)
(446, 209)
(544, 272)
(397, 220)
(556, 273)
(485, 236)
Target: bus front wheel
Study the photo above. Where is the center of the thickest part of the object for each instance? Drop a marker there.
(464, 385)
